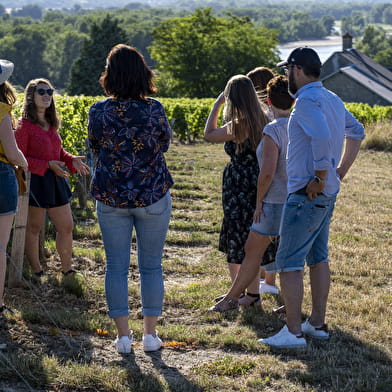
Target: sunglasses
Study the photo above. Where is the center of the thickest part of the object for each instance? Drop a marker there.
(42, 91)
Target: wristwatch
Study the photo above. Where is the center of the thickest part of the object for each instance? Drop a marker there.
(318, 179)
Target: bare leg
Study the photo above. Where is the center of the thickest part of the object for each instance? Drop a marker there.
(62, 219)
(233, 269)
(270, 278)
(122, 326)
(292, 287)
(150, 323)
(319, 283)
(250, 268)
(6, 225)
(35, 220)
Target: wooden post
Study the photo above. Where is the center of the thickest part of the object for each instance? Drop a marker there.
(18, 239)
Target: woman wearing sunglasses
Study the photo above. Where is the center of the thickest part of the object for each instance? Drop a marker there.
(38, 137)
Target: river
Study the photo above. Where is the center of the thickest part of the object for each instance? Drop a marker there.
(324, 47)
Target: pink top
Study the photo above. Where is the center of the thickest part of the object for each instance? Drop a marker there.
(40, 146)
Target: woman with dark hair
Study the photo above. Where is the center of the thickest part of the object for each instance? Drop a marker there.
(38, 137)
(9, 155)
(129, 134)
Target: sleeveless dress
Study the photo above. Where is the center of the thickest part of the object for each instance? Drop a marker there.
(239, 190)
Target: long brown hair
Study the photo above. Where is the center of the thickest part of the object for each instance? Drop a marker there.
(8, 95)
(127, 76)
(30, 109)
(243, 112)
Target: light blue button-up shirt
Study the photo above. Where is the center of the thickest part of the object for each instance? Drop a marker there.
(318, 125)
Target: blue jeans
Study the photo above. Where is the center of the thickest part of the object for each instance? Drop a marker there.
(151, 224)
(304, 233)
(8, 189)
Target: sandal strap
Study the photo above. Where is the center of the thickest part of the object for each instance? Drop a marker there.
(253, 295)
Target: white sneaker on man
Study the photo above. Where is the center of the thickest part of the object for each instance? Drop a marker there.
(315, 332)
(151, 342)
(285, 339)
(266, 288)
(123, 344)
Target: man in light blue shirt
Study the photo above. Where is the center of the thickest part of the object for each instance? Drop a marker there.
(318, 127)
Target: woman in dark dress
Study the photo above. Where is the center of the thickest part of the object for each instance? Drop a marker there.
(241, 133)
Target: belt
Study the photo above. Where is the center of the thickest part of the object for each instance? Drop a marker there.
(301, 191)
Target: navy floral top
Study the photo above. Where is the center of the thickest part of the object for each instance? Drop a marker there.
(128, 138)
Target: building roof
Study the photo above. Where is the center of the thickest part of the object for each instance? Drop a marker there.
(355, 73)
(362, 69)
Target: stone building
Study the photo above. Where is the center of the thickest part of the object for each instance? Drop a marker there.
(355, 77)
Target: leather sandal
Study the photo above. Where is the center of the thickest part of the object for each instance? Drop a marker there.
(254, 302)
(225, 305)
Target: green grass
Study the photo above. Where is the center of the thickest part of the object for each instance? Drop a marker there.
(212, 352)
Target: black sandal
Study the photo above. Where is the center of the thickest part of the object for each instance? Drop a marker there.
(39, 274)
(256, 301)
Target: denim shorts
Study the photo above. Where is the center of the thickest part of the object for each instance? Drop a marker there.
(8, 189)
(304, 233)
(269, 225)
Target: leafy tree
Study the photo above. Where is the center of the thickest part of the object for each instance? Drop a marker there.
(373, 41)
(25, 47)
(90, 64)
(63, 49)
(200, 52)
(328, 22)
(376, 44)
(387, 15)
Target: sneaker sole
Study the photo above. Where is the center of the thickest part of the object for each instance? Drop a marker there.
(285, 346)
(146, 349)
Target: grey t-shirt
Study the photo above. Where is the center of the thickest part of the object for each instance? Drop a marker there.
(277, 130)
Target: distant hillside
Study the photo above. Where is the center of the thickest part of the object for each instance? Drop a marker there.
(175, 4)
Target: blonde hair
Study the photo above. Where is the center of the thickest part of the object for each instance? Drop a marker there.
(243, 113)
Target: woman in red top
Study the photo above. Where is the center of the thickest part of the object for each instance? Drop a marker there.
(38, 138)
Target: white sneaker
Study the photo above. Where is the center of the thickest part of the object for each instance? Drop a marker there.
(315, 332)
(285, 339)
(123, 344)
(265, 288)
(151, 342)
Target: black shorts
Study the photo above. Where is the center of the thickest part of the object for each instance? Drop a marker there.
(49, 191)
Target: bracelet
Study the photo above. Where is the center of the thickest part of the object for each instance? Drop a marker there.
(318, 179)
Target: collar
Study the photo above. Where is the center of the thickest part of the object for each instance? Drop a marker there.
(307, 86)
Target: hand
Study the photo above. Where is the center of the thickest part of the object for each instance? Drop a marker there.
(220, 100)
(58, 167)
(314, 188)
(341, 173)
(80, 166)
(258, 213)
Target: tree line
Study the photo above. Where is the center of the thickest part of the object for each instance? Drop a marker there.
(194, 53)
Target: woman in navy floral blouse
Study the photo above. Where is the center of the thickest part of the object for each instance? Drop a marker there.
(129, 134)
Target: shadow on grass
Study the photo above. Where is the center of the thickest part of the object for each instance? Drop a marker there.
(343, 363)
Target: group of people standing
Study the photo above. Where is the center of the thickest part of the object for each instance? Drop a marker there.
(301, 166)
(282, 180)
(128, 134)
